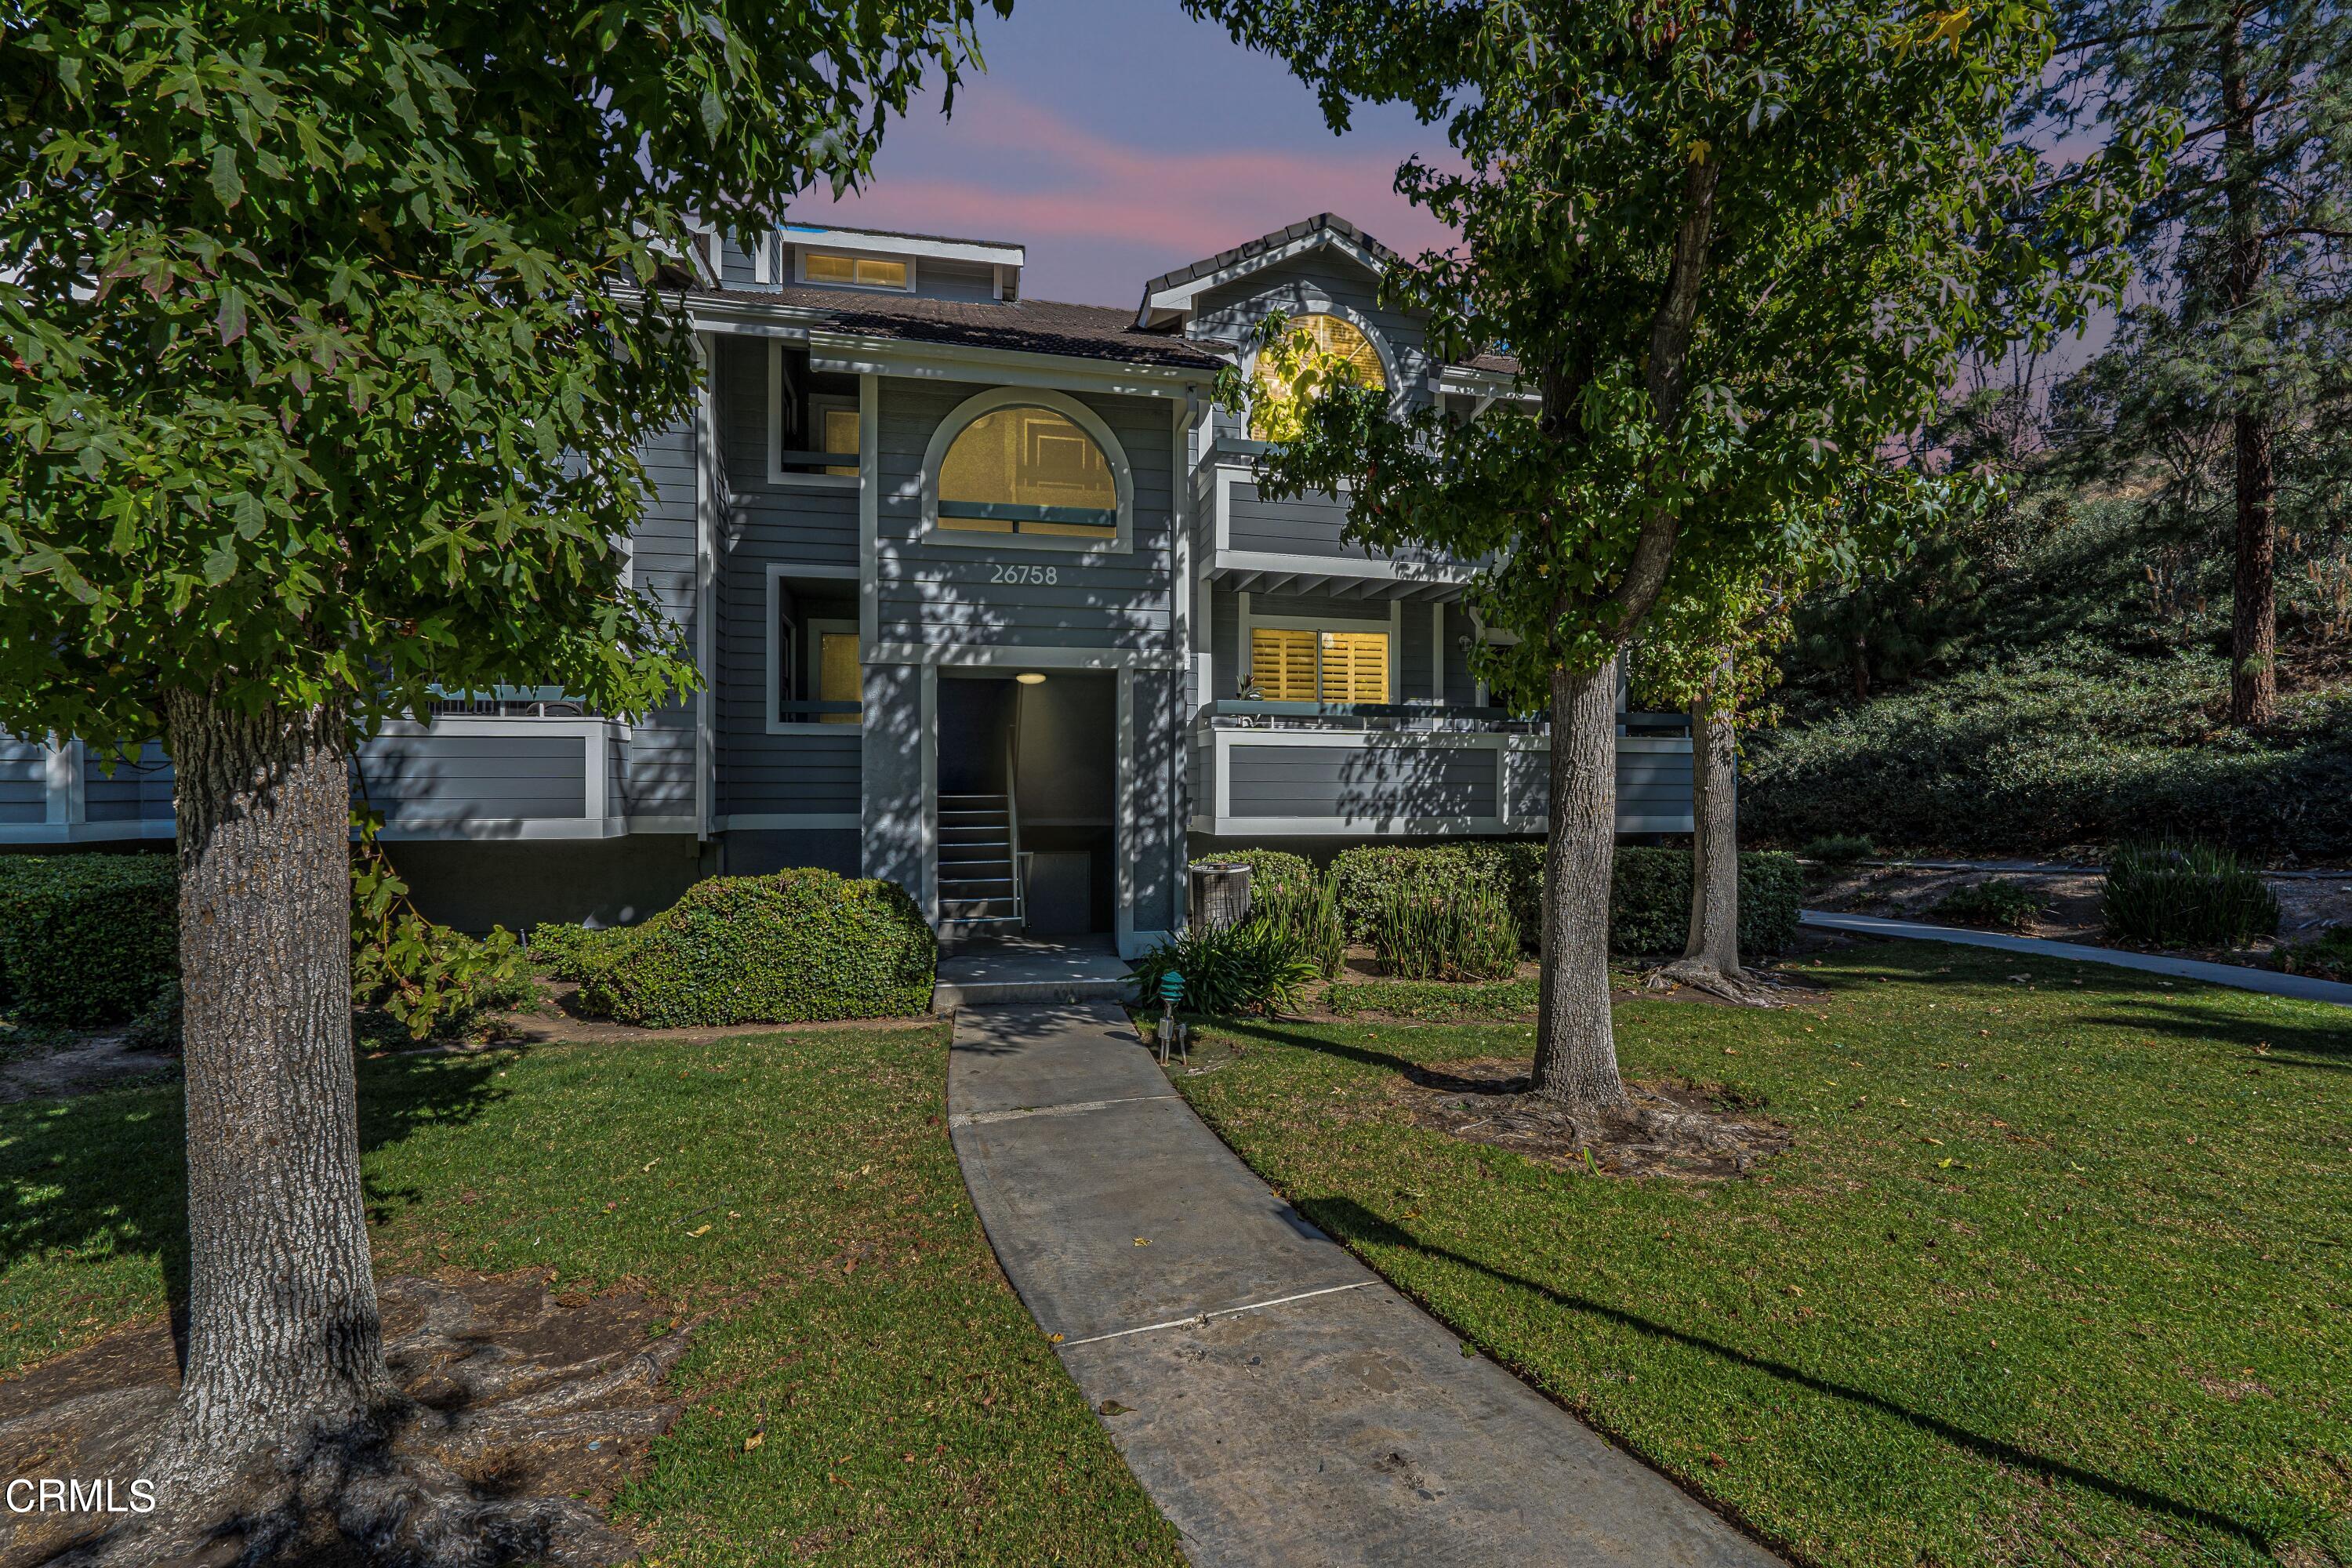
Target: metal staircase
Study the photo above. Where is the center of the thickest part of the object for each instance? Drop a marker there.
(979, 850)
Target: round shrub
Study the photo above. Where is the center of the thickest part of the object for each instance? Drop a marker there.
(1997, 903)
(86, 940)
(798, 946)
(578, 952)
(1242, 967)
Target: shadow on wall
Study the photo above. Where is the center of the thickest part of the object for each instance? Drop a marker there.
(474, 885)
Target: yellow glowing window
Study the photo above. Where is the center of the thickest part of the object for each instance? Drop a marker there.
(1028, 470)
(838, 677)
(839, 428)
(1320, 351)
(864, 271)
(1294, 664)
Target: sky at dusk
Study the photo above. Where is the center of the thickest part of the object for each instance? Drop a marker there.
(1118, 139)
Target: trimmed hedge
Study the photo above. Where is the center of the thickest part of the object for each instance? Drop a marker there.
(1650, 899)
(578, 952)
(1273, 872)
(1649, 895)
(795, 947)
(86, 940)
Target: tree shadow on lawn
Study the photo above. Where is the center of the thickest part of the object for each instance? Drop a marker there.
(104, 1175)
(1358, 1229)
(2270, 1040)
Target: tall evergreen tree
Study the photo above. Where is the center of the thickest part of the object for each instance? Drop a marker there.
(2251, 237)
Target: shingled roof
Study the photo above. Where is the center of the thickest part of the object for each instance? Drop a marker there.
(1321, 222)
(1033, 326)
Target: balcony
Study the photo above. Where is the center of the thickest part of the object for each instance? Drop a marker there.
(1307, 769)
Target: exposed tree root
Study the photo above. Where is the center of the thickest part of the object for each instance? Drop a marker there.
(511, 1408)
(1736, 986)
(1661, 1130)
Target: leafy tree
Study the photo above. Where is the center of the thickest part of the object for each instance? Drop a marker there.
(1734, 247)
(2253, 234)
(1885, 622)
(1709, 655)
(324, 356)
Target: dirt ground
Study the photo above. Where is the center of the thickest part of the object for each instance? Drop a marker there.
(2070, 911)
(78, 1065)
(519, 1396)
(1669, 1130)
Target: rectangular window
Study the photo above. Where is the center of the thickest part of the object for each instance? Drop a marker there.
(858, 271)
(836, 425)
(1290, 664)
(839, 677)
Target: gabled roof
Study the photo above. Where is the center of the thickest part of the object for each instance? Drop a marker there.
(1172, 293)
(1030, 326)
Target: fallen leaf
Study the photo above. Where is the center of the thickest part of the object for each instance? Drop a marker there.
(1142, 1241)
(1112, 1407)
(699, 1230)
(754, 1440)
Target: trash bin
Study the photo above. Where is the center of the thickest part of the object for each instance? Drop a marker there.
(1220, 894)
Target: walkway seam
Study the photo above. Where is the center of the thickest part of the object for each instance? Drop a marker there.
(986, 1118)
(1198, 1320)
(2237, 976)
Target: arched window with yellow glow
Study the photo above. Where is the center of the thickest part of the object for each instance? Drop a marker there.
(1027, 469)
(1315, 354)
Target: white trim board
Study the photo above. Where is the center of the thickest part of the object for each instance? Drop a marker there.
(894, 245)
(778, 475)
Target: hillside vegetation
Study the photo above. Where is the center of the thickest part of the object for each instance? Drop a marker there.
(2058, 680)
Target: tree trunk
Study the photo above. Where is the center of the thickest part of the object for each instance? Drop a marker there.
(1710, 960)
(2254, 611)
(1714, 938)
(1576, 1047)
(284, 1342)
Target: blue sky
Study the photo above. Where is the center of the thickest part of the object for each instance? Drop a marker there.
(1118, 139)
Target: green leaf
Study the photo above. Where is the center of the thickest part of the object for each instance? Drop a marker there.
(220, 564)
(228, 185)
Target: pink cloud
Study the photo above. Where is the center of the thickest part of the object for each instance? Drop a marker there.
(1007, 169)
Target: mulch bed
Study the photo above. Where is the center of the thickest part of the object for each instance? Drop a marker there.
(522, 1395)
(1668, 1129)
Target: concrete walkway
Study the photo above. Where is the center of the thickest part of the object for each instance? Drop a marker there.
(979, 970)
(2269, 982)
(1278, 1401)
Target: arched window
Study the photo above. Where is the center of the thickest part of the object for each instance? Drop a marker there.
(1028, 469)
(1333, 349)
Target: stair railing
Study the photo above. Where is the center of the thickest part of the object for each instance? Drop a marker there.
(1013, 828)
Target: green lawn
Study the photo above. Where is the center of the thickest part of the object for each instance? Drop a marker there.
(2055, 1272)
(799, 1185)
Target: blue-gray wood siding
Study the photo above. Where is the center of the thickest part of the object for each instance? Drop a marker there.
(1653, 783)
(660, 774)
(1308, 526)
(1152, 835)
(784, 521)
(944, 594)
(448, 779)
(24, 782)
(814, 771)
(139, 790)
(893, 807)
(1400, 780)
